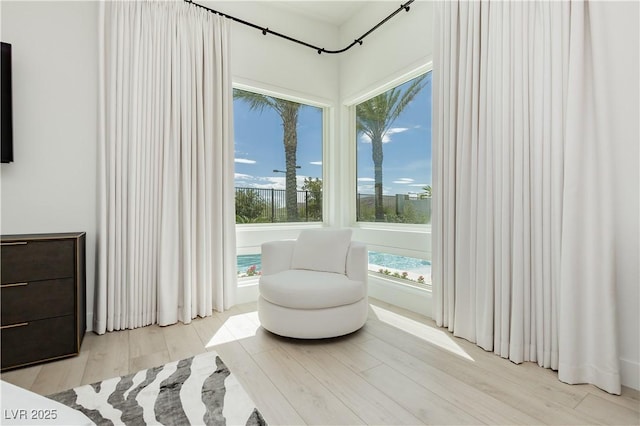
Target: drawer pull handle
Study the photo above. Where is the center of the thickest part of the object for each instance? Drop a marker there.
(14, 285)
(17, 243)
(22, 324)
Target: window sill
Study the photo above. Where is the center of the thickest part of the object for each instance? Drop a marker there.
(278, 226)
(389, 226)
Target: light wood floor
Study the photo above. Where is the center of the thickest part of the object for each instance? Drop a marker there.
(399, 369)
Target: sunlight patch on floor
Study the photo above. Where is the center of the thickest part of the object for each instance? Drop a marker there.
(422, 331)
(236, 327)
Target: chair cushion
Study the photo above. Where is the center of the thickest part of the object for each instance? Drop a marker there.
(300, 289)
(322, 250)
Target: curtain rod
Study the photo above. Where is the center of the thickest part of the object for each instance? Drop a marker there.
(320, 50)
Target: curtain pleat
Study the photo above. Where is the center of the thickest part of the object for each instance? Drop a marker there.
(166, 249)
(523, 256)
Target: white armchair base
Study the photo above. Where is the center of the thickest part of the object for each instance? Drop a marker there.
(312, 323)
(314, 287)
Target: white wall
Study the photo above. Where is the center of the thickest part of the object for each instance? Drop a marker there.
(401, 45)
(277, 64)
(51, 185)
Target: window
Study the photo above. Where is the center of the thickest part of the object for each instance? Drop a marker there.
(249, 265)
(409, 269)
(394, 154)
(278, 159)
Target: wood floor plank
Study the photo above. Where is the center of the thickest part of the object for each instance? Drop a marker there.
(608, 412)
(471, 399)
(630, 398)
(182, 341)
(61, 375)
(108, 356)
(22, 377)
(149, 360)
(352, 356)
(395, 370)
(427, 406)
(146, 340)
(314, 402)
(517, 395)
(273, 406)
(250, 334)
(212, 332)
(223, 316)
(364, 399)
(538, 380)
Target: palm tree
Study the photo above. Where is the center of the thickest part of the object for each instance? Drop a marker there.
(427, 191)
(288, 111)
(374, 118)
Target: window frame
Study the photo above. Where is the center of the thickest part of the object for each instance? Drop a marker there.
(250, 236)
(413, 240)
(326, 107)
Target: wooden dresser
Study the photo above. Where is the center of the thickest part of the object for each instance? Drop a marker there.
(42, 296)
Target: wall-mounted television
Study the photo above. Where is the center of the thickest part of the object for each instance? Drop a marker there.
(6, 108)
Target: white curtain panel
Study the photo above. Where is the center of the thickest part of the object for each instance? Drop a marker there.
(167, 232)
(523, 238)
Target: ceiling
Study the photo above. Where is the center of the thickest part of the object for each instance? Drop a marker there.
(329, 11)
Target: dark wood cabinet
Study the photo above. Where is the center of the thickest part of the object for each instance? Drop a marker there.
(43, 284)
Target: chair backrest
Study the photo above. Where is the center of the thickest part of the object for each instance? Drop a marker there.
(322, 250)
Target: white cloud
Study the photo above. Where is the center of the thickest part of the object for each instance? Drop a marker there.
(242, 176)
(404, 181)
(271, 182)
(316, 163)
(386, 138)
(244, 161)
(365, 179)
(422, 185)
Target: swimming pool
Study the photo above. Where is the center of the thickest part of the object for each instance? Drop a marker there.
(402, 263)
(246, 261)
(376, 260)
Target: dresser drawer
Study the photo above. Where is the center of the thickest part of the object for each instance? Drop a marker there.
(37, 300)
(25, 261)
(38, 341)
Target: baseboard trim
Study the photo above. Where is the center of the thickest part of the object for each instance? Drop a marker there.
(630, 373)
(409, 297)
(247, 291)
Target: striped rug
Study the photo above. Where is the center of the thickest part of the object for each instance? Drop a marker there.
(195, 391)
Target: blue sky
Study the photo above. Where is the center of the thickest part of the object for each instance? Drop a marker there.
(259, 148)
(407, 148)
(406, 167)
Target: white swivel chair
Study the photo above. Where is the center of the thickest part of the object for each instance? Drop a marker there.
(314, 287)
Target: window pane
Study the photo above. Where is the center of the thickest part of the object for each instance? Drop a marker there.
(278, 159)
(394, 154)
(404, 267)
(249, 265)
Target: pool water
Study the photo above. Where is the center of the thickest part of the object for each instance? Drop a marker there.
(402, 263)
(246, 261)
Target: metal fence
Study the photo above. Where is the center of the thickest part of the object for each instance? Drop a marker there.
(399, 208)
(269, 205)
